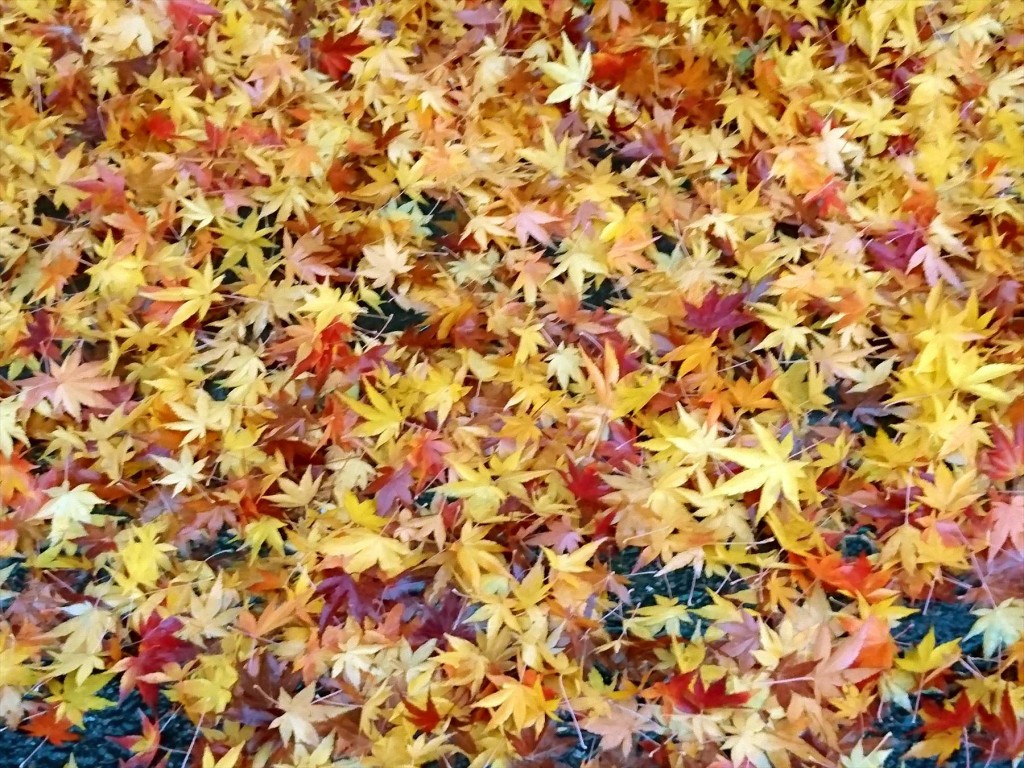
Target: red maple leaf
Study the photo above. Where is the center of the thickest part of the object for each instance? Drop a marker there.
(688, 693)
(1001, 731)
(717, 312)
(444, 617)
(40, 335)
(159, 125)
(427, 455)
(425, 719)
(627, 359)
(337, 53)
(1004, 461)
(46, 725)
(828, 196)
(158, 647)
(143, 746)
(938, 717)
(619, 449)
(586, 484)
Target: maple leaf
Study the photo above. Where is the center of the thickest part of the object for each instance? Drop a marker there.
(586, 484)
(1005, 525)
(297, 495)
(194, 299)
(928, 656)
(15, 476)
(935, 267)
(940, 716)
(426, 719)
(1002, 729)
(68, 510)
(857, 577)
(335, 54)
(525, 703)
(517, 8)
(301, 257)
(143, 554)
(718, 313)
(71, 386)
(189, 14)
(300, 715)
(364, 549)
(74, 699)
(1005, 460)
(159, 645)
(571, 73)
(230, 758)
(532, 222)
(160, 126)
(838, 668)
(390, 486)
(382, 263)
(858, 758)
(183, 473)
(10, 429)
(105, 193)
(1000, 627)
(617, 731)
(771, 470)
(143, 746)
(690, 694)
(48, 725)
(561, 536)
(382, 418)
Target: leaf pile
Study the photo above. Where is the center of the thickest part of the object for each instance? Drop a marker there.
(513, 383)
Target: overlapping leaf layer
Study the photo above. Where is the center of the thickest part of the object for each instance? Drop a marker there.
(479, 383)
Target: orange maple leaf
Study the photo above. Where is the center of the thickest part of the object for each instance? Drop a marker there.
(856, 577)
(47, 725)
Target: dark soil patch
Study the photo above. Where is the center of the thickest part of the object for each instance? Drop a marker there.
(94, 749)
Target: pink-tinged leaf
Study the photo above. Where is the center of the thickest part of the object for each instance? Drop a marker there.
(71, 386)
(935, 267)
(392, 485)
(1006, 520)
(189, 14)
(531, 222)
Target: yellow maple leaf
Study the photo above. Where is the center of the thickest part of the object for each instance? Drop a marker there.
(300, 714)
(196, 298)
(74, 698)
(771, 469)
(67, 510)
(364, 549)
(571, 73)
(928, 657)
(525, 705)
(383, 419)
(10, 429)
